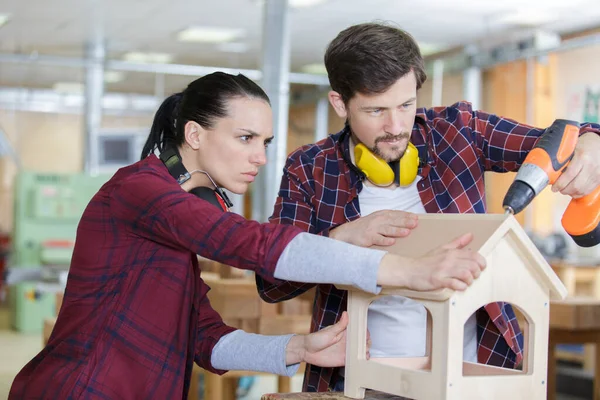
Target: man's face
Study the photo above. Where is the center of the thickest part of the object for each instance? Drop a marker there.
(383, 122)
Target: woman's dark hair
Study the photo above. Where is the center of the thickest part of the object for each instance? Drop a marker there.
(369, 58)
(203, 101)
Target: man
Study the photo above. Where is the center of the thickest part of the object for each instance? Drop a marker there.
(375, 72)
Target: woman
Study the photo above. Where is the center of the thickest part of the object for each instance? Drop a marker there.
(135, 315)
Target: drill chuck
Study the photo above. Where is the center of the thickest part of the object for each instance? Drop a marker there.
(519, 195)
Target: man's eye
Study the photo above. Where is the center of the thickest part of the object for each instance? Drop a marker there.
(245, 138)
(376, 111)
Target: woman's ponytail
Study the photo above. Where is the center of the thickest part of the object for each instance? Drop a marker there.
(164, 129)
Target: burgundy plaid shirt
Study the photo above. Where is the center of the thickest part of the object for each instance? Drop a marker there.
(135, 314)
(319, 191)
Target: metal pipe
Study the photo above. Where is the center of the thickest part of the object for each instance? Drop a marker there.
(322, 119)
(94, 92)
(438, 83)
(276, 83)
(472, 81)
(167, 69)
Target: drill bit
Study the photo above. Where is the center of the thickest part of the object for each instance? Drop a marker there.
(508, 211)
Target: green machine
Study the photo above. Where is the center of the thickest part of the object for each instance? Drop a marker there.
(46, 214)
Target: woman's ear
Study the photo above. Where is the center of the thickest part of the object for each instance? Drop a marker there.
(193, 133)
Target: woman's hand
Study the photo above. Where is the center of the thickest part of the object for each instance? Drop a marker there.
(325, 348)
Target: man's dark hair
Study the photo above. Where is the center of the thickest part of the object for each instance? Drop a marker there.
(369, 58)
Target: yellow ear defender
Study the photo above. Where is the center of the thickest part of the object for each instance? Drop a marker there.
(380, 173)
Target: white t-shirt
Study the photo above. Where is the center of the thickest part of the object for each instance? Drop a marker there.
(397, 324)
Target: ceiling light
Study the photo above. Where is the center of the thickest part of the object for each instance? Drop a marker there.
(68, 87)
(207, 34)
(527, 17)
(148, 58)
(4, 18)
(296, 3)
(304, 3)
(317, 69)
(233, 47)
(113, 76)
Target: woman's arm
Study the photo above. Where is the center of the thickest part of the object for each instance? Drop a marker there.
(283, 354)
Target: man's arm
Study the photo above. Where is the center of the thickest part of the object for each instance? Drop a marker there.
(503, 142)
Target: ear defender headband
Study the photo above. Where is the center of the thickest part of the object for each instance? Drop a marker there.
(172, 160)
(381, 173)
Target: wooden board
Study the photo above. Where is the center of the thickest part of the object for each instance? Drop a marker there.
(434, 230)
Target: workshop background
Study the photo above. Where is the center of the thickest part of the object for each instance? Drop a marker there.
(81, 79)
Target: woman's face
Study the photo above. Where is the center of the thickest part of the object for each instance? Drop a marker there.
(234, 149)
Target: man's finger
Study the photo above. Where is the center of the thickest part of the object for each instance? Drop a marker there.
(578, 187)
(405, 221)
(568, 175)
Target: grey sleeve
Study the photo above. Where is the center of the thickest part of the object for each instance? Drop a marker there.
(244, 351)
(316, 259)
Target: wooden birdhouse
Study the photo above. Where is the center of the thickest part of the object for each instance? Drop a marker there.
(516, 273)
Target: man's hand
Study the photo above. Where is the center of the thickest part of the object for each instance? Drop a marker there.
(378, 229)
(582, 175)
(449, 266)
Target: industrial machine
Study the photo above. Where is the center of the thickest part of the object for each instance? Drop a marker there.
(46, 214)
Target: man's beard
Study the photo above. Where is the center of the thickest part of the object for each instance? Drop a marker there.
(395, 153)
(375, 149)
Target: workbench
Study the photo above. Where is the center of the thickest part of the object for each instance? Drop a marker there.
(370, 395)
(574, 321)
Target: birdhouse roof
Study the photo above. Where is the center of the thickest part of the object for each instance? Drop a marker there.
(435, 230)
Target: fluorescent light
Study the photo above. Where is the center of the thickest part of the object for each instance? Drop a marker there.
(296, 3)
(113, 76)
(233, 47)
(68, 87)
(304, 3)
(4, 18)
(148, 58)
(317, 69)
(528, 17)
(208, 34)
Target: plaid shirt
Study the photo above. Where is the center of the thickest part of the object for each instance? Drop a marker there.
(320, 187)
(135, 314)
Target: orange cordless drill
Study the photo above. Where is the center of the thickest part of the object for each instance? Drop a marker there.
(542, 166)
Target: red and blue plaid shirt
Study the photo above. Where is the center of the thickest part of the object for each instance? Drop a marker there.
(320, 187)
(135, 315)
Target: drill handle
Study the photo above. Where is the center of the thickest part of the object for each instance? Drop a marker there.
(581, 220)
(558, 142)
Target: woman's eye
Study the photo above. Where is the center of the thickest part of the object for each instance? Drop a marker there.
(245, 138)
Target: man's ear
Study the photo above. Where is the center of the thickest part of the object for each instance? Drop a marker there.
(193, 133)
(336, 101)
